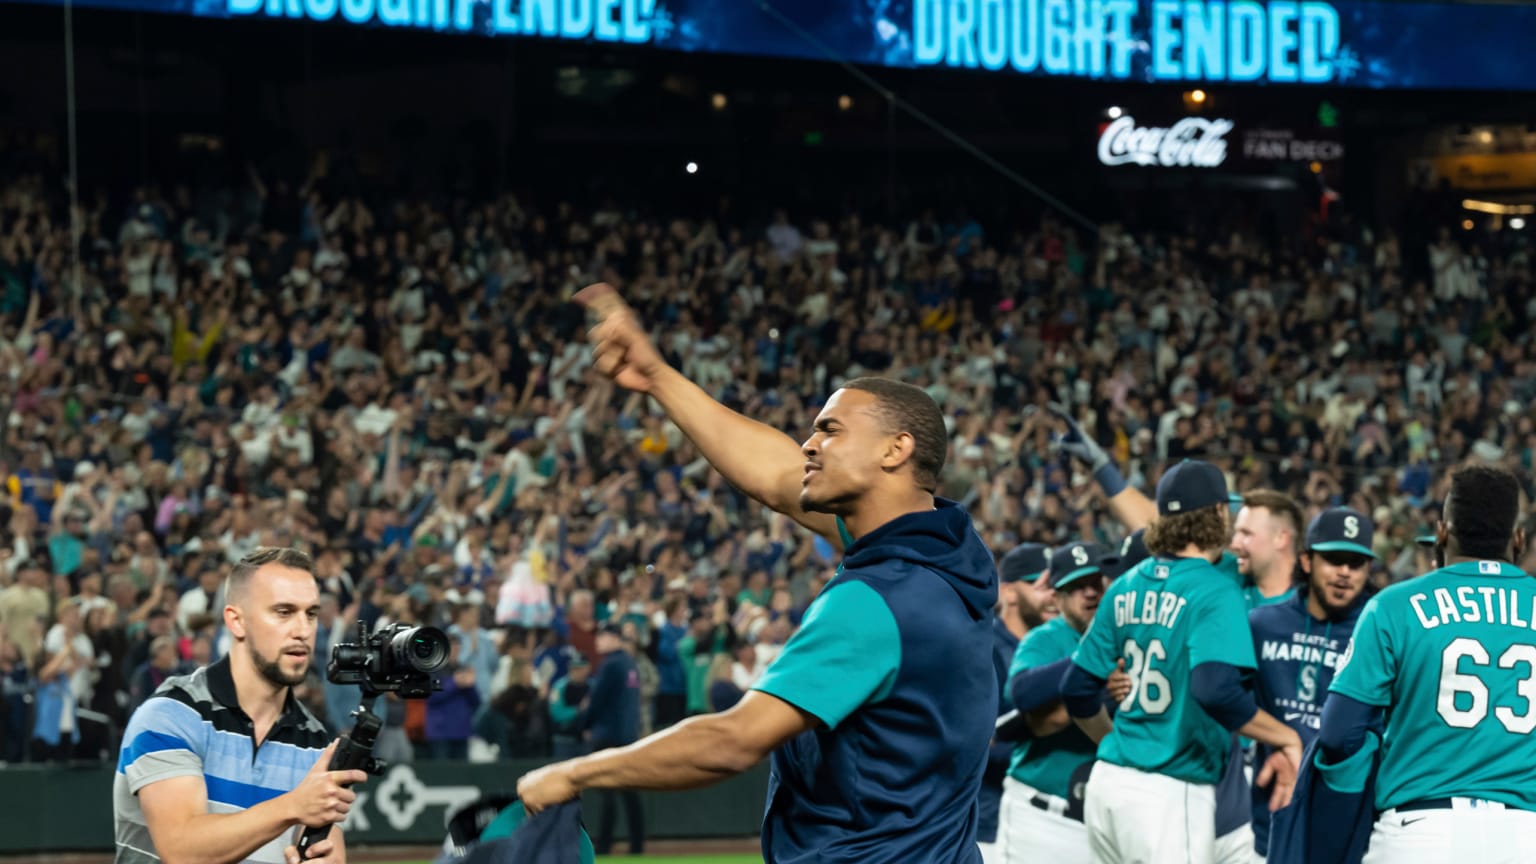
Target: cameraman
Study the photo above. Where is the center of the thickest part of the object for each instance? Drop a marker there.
(208, 762)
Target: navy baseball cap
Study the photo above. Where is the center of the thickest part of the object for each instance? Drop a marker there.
(1189, 486)
(1133, 551)
(1074, 561)
(1024, 563)
(1341, 529)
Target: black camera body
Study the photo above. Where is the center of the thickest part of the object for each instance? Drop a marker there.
(397, 659)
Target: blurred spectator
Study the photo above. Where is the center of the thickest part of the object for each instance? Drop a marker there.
(477, 648)
(672, 690)
(708, 635)
(568, 704)
(450, 712)
(724, 692)
(613, 720)
(162, 664)
(517, 720)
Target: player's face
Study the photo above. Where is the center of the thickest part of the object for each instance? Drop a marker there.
(1337, 578)
(845, 455)
(276, 620)
(1036, 602)
(1080, 600)
(1254, 540)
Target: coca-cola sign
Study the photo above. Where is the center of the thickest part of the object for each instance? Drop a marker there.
(1193, 142)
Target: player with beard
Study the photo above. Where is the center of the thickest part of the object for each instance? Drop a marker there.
(878, 712)
(205, 762)
(1042, 806)
(1301, 642)
(1264, 541)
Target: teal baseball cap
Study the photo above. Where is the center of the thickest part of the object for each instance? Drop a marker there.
(1341, 529)
(1075, 561)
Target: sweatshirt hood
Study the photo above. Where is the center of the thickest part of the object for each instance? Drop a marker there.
(942, 540)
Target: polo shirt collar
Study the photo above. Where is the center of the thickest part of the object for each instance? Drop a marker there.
(221, 686)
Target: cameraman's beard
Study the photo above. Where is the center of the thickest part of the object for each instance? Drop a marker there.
(273, 672)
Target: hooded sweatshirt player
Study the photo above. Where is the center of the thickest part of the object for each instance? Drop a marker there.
(895, 658)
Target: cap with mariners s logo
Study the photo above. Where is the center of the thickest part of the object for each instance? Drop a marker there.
(1133, 551)
(1024, 563)
(1341, 529)
(1190, 486)
(1074, 561)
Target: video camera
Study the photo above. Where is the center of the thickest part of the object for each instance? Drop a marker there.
(397, 659)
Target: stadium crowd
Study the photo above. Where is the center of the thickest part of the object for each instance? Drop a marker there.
(403, 388)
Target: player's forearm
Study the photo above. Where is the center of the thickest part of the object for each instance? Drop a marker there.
(1096, 727)
(756, 458)
(1134, 509)
(225, 838)
(1048, 720)
(1265, 729)
(697, 752)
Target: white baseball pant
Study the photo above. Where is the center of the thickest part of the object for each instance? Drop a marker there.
(1138, 818)
(1029, 834)
(1471, 831)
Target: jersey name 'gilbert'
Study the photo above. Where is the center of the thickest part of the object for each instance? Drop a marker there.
(1156, 607)
(1496, 606)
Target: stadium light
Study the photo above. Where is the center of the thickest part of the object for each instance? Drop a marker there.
(718, 101)
(1114, 112)
(691, 167)
(844, 102)
(1517, 223)
(1197, 96)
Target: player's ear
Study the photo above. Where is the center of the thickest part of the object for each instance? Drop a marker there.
(1306, 562)
(900, 448)
(234, 621)
(1518, 545)
(1442, 533)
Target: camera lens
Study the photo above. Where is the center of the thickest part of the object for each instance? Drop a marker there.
(424, 649)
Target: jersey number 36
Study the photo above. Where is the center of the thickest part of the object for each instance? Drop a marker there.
(1453, 682)
(1149, 687)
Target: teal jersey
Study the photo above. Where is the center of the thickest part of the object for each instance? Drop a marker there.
(1047, 763)
(1165, 618)
(1251, 593)
(845, 654)
(1451, 656)
(843, 535)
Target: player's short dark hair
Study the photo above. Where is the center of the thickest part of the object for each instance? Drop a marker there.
(240, 574)
(905, 408)
(1281, 506)
(1206, 528)
(1483, 510)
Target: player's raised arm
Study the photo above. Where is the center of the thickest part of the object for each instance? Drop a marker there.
(756, 458)
(1126, 503)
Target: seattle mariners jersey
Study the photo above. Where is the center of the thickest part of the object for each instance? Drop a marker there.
(1047, 763)
(1298, 656)
(1452, 657)
(1165, 618)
